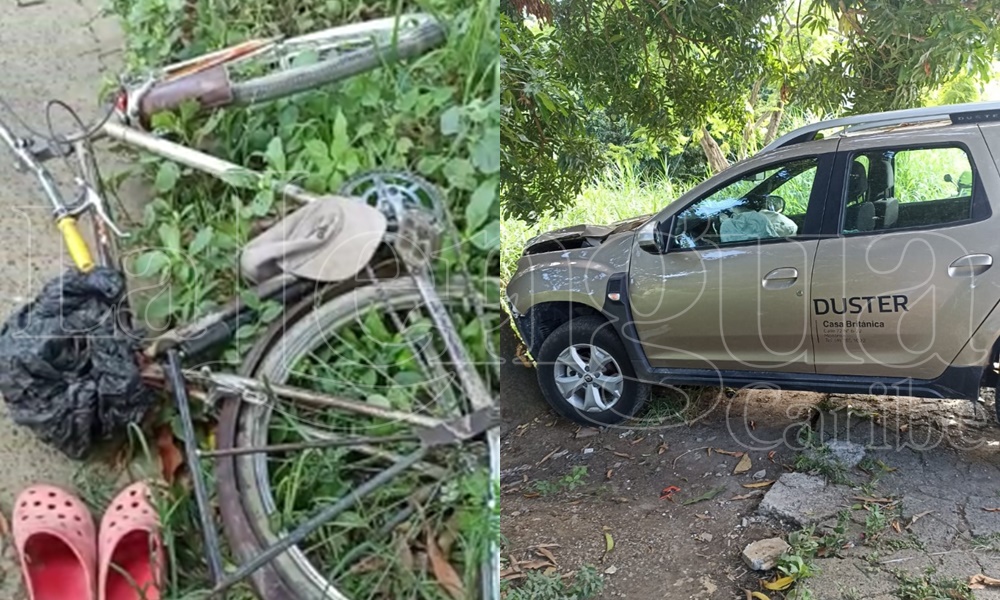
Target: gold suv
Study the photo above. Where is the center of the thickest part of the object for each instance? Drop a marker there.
(859, 261)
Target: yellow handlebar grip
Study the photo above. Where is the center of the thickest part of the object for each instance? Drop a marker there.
(78, 249)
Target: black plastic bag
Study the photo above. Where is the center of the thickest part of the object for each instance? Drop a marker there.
(67, 369)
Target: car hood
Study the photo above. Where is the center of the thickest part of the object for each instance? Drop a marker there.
(580, 236)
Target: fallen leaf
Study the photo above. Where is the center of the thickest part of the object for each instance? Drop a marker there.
(770, 457)
(446, 575)
(368, 564)
(980, 582)
(868, 499)
(171, 458)
(752, 424)
(896, 527)
(703, 517)
(531, 495)
(609, 473)
(4, 527)
(662, 448)
(758, 484)
(712, 493)
(544, 552)
(512, 576)
(760, 596)
(746, 496)
(535, 564)
(623, 455)
(728, 453)
(634, 442)
(668, 492)
(744, 465)
(549, 571)
(781, 583)
(609, 543)
(991, 509)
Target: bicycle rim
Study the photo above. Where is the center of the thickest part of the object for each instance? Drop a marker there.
(257, 425)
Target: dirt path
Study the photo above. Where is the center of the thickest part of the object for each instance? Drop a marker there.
(56, 49)
(934, 460)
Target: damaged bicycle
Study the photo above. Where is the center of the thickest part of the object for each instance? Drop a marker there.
(365, 366)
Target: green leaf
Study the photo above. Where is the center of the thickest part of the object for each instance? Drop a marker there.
(262, 202)
(271, 312)
(712, 493)
(246, 331)
(460, 173)
(451, 121)
(275, 155)
(240, 178)
(150, 264)
(488, 238)
(480, 205)
(486, 152)
(158, 308)
(379, 400)
(340, 142)
(170, 236)
(202, 240)
(166, 177)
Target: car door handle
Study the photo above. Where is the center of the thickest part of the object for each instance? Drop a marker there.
(780, 279)
(970, 265)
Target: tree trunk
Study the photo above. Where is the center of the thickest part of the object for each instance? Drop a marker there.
(772, 125)
(716, 159)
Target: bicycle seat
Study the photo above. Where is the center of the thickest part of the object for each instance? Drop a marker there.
(328, 240)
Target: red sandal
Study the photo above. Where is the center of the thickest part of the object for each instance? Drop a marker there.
(55, 538)
(131, 548)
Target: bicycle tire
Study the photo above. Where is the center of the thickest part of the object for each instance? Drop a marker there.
(291, 573)
(409, 44)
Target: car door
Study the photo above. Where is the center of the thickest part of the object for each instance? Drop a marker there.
(905, 275)
(728, 288)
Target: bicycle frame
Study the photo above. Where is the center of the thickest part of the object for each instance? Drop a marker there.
(170, 348)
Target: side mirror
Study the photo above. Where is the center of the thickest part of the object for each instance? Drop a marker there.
(650, 238)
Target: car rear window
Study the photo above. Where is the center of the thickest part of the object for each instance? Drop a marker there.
(905, 188)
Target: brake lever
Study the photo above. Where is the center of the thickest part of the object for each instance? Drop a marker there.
(92, 200)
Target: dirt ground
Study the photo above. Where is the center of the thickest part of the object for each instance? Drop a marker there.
(938, 461)
(52, 49)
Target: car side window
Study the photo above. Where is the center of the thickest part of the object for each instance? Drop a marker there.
(766, 204)
(904, 188)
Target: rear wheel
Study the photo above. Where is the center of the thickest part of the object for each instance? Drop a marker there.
(355, 346)
(585, 374)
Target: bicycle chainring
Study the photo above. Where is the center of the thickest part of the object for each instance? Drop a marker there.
(394, 193)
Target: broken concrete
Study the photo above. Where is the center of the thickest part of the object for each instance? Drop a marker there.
(982, 516)
(803, 499)
(763, 555)
(846, 454)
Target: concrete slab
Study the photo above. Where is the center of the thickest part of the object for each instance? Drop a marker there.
(55, 49)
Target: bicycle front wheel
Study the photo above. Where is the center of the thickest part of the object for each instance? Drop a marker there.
(374, 343)
(409, 43)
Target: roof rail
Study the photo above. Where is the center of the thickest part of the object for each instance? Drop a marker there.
(972, 112)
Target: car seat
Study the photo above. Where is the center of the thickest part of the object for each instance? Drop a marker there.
(858, 217)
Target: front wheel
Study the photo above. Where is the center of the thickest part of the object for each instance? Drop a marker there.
(586, 375)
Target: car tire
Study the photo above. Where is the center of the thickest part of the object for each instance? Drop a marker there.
(586, 375)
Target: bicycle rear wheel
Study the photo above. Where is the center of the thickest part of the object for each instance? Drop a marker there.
(323, 349)
(409, 43)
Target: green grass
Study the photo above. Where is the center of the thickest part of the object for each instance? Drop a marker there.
(569, 482)
(584, 585)
(618, 194)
